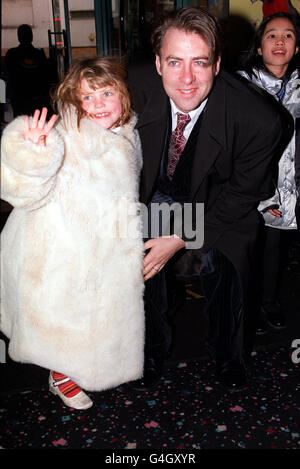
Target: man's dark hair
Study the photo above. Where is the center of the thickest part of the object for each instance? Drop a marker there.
(193, 20)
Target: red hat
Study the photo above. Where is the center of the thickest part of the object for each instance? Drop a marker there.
(270, 7)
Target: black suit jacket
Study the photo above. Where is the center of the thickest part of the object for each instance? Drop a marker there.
(239, 142)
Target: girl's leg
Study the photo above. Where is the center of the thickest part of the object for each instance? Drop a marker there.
(273, 256)
(67, 386)
(271, 264)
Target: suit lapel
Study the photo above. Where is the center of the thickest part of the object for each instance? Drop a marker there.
(212, 135)
(152, 126)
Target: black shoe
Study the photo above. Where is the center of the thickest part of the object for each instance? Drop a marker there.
(151, 377)
(233, 375)
(275, 316)
(261, 327)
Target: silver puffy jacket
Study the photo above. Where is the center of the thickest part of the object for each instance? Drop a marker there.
(285, 196)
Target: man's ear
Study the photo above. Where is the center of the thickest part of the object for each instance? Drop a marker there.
(217, 66)
(157, 64)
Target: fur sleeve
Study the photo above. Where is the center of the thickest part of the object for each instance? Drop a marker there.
(28, 171)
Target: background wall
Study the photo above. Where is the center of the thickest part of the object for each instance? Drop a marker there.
(37, 13)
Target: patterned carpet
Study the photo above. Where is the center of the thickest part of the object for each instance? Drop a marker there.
(189, 410)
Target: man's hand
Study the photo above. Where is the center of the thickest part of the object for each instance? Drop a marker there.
(161, 250)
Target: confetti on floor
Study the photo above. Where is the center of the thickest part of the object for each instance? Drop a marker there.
(189, 410)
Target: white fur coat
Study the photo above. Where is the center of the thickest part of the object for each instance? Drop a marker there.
(72, 250)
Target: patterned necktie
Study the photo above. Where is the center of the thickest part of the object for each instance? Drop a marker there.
(177, 143)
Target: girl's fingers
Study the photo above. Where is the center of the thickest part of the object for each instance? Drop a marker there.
(35, 119)
(275, 213)
(38, 129)
(43, 117)
(50, 124)
(26, 124)
(42, 140)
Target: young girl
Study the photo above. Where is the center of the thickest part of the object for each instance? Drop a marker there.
(72, 250)
(271, 64)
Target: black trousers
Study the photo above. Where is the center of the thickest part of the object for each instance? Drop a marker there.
(275, 255)
(221, 287)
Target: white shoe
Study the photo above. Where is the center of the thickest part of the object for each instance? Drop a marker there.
(81, 401)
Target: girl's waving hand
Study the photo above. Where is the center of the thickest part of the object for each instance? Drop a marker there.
(38, 129)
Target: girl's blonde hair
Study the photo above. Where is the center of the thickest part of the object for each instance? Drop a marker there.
(98, 72)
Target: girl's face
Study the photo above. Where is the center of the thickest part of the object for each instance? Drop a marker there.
(278, 45)
(102, 105)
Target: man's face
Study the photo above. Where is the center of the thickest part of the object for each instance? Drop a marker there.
(185, 70)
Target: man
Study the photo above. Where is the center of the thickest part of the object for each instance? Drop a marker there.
(231, 134)
(29, 75)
